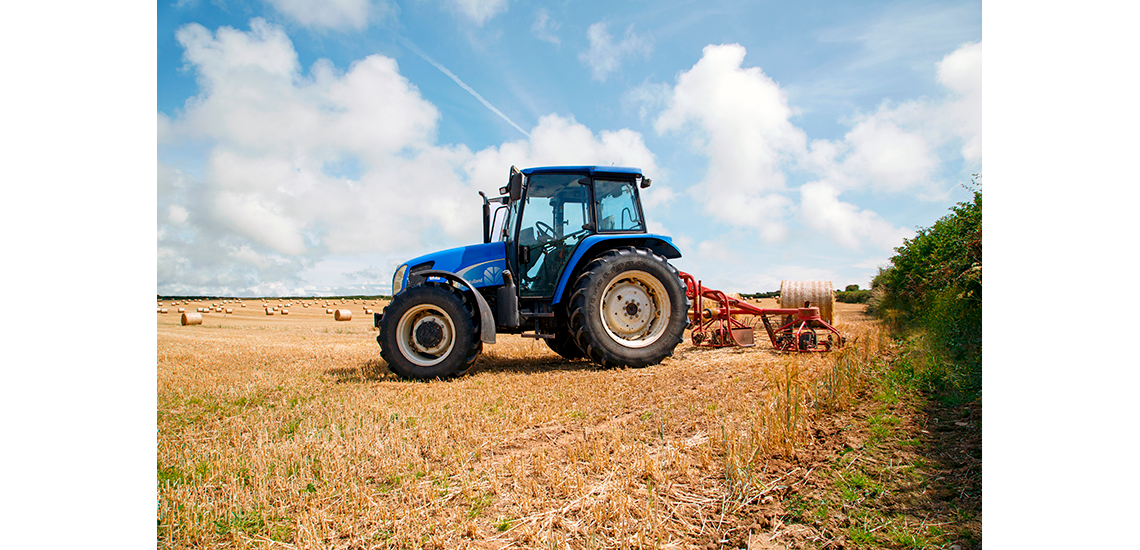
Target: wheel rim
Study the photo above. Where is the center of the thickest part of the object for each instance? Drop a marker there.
(425, 335)
(635, 309)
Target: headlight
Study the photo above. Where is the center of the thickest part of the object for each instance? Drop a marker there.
(398, 279)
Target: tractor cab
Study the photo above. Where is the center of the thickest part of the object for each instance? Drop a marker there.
(554, 209)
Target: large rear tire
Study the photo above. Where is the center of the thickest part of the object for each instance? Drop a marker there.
(563, 344)
(428, 332)
(628, 308)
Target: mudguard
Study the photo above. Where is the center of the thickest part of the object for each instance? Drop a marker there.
(486, 320)
(659, 244)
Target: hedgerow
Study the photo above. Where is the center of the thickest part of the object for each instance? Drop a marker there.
(932, 291)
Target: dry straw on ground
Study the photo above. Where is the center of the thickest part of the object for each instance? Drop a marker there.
(287, 433)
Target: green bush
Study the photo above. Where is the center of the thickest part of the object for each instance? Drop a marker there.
(853, 296)
(759, 295)
(934, 286)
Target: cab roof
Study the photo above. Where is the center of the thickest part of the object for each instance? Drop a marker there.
(588, 169)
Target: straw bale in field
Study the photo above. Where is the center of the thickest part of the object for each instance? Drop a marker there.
(181, 310)
(343, 315)
(229, 310)
(819, 294)
(191, 319)
(328, 311)
(284, 311)
(268, 311)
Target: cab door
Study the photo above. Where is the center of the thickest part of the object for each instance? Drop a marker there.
(555, 217)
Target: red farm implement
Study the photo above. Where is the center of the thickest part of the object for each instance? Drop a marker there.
(714, 323)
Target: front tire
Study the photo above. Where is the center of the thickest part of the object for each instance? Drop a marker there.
(628, 308)
(427, 332)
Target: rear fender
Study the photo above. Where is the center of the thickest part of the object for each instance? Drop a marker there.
(596, 244)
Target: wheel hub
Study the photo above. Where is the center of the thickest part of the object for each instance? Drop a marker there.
(628, 309)
(425, 335)
(428, 334)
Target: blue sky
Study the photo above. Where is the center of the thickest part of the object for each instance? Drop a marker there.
(311, 151)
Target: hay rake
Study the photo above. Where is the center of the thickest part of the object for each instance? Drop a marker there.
(800, 329)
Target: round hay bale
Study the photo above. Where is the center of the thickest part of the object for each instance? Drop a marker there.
(243, 305)
(343, 315)
(181, 310)
(819, 294)
(268, 311)
(328, 311)
(367, 311)
(229, 310)
(284, 311)
(191, 319)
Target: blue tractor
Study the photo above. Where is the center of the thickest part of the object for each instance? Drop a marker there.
(570, 262)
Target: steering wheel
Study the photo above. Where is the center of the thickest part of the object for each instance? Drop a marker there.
(550, 246)
(545, 232)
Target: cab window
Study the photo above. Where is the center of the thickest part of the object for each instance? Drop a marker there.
(616, 204)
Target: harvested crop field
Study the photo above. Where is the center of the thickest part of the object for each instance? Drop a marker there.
(288, 431)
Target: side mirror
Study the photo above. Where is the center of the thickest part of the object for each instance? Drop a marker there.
(645, 182)
(516, 184)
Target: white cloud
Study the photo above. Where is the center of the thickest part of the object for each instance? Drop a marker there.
(742, 122)
(176, 214)
(543, 29)
(961, 71)
(888, 156)
(333, 14)
(647, 96)
(845, 223)
(605, 56)
(266, 210)
(478, 11)
(895, 149)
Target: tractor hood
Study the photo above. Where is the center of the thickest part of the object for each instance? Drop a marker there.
(480, 264)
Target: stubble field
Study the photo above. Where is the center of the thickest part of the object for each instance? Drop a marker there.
(288, 431)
